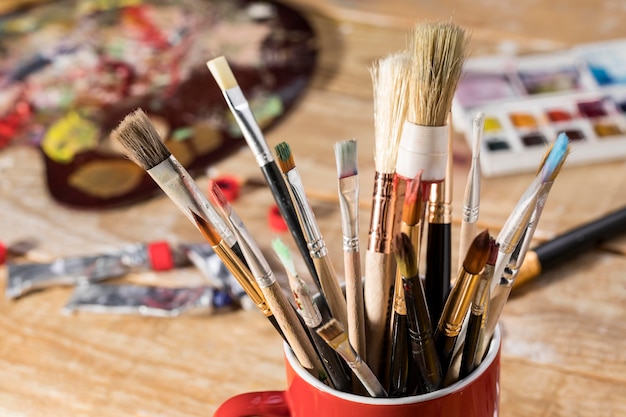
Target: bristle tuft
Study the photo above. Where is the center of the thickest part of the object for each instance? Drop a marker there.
(406, 258)
(222, 73)
(207, 230)
(346, 158)
(478, 253)
(330, 331)
(438, 54)
(283, 253)
(477, 134)
(390, 80)
(216, 195)
(493, 251)
(412, 206)
(285, 157)
(555, 159)
(140, 140)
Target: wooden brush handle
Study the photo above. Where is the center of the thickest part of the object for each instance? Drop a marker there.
(332, 289)
(354, 302)
(292, 328)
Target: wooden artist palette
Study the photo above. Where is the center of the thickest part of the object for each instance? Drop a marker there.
(529, 100)
(71, 70)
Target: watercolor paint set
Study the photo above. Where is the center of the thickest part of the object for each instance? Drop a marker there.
(528, 100)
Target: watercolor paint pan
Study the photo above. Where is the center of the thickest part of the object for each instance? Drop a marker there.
(529, 100)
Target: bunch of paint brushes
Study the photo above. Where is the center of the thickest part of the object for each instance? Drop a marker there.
(397, 333)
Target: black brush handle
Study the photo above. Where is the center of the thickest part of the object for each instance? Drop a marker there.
(437, 277)
(470, 346)
(581, 238)
(399, 358)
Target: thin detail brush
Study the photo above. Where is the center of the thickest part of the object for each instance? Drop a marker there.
(348, 185)
(333, 333)
(305, 306)
(471, 198)
(390, 80)
(240, 109)
(423, 350)
(458, 302)
(317, 247)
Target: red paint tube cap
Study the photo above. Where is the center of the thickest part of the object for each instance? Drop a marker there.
(229, 186)
(160, 256)
(276, 221)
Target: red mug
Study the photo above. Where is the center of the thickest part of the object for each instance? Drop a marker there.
(475, 396)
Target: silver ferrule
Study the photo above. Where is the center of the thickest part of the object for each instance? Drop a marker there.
(349, 206)
(471, 201)
(248, 125)
(315, 243)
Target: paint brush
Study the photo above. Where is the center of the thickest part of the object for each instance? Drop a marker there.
(286, 317)
(471, 356)
(471, 198)
(423, 350)
(390, 79)
(569, 244)
(333, 333)
(438, 51)
(348, 185)
(142, 145)
(517, 238)
(308, 310)
(240, 109)
(458, 302)
(318, 251)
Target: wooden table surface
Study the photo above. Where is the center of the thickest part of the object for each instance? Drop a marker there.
(564, 335)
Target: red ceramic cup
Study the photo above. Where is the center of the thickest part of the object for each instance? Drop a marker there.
(475, 396)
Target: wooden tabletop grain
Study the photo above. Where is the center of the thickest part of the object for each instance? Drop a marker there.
(564, 343)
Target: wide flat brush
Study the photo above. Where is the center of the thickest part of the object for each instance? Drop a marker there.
(438, 51)
(305, 306)
(333, 333)
(390, 79)
(424, 354)
(348, 186)
(317, 246)
(459, 300)
(240, 109)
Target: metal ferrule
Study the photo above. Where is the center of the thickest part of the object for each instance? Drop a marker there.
(180, 187)
(471, 206)
(349, 206)
(248, 125)
(315, 243)
(255, 259)
(439, 210)
(458, 304)
(382, 218)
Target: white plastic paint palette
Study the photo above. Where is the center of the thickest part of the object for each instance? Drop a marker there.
(529, 100)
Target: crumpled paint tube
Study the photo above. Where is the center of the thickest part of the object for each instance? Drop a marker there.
(147, 300)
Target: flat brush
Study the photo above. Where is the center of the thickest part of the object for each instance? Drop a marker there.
(333, 333)
(240, 109)
(143, 146)
(390, 79)
(471, 197)
(570, 244)
(317, 247)
(423, 350)
(459, 300)
(286, 317)
(348, 185)
(312, 318)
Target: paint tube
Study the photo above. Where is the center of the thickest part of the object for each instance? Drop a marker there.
(23, 278)
(147, 300)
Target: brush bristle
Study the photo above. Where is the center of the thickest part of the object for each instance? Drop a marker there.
(140, 140)
(216, 195)
(438, 54)
(285, 157)
(207, 230)
(406, 258)
(555, 158)
(412, 206)
(331, 331)
(390, 80)
(478, 253)
(222, 73)
(477, 134)
(284, 254)
(346, 158)
(493, 251)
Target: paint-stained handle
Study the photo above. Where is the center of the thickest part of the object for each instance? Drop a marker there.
(264, 404)
(331, 289)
